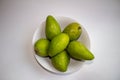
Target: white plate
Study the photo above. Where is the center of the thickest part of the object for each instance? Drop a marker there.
(46, 62)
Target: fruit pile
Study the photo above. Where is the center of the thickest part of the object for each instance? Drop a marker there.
(61, 45)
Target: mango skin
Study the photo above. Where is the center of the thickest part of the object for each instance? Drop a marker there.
(41, 47)
(52, 27)
(61, 61)
(74, 30)
(58, 44)
(78, 51)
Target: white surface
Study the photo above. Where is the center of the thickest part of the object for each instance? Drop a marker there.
(20, 18)
(74, 65)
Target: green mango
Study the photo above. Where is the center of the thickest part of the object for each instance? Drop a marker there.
(78, 51)
(73, 30)
(41, 47)
(52, 27)
(58, 44)
(61, 61)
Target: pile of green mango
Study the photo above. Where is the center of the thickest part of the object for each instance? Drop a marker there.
(60, 46)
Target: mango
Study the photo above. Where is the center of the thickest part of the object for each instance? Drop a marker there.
(41, 47)
(73, 30)
(58, 44)
(78, 51)
(61, 61)
(52, 27)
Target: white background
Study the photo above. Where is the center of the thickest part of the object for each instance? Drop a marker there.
(20, 18)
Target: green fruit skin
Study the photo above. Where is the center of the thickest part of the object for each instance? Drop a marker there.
(78, 51)
(73, 30)
(52, 27)
(41, 47)
(58, 44)
(61, 61)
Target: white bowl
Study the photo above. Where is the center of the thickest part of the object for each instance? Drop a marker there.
(46, 62)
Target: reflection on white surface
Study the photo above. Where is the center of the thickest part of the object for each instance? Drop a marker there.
(20, 18)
